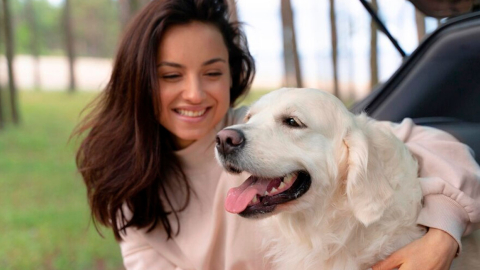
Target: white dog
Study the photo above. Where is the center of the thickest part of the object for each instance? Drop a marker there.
(343, 188)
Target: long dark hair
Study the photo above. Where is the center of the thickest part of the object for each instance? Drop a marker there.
(126, 158)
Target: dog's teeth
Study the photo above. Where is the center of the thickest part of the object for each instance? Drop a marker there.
(255, 200)
(273, 190)
(288, 178)
(266, 193)
(282, 186)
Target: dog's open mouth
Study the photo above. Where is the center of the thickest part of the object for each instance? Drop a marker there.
(261, 195)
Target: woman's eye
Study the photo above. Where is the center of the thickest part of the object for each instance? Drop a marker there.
(290, 121)
(214, 74)
(170, 76)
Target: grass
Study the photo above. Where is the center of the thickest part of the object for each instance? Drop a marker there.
(253, 96)
(45, 220)
(44, 217)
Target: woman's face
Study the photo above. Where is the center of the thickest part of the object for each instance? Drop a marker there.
(194, 79)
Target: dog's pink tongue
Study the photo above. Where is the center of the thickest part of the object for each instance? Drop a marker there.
(238, 198)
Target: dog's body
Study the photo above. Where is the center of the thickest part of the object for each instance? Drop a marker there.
(355, 194)
(343, 231)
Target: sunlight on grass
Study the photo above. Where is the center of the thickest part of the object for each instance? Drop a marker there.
(45, 220)
(253, 95)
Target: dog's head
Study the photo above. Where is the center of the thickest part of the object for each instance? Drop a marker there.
(299, 145)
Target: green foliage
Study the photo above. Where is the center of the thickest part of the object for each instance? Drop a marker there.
(96, 27)
(253, 96)
(45, 220)
(48, 24)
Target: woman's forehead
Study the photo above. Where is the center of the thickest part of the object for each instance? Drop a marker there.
(195, 39)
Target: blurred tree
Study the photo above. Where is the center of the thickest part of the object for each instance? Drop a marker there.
(128, 8)
(23, 31)
(420, 20)
(232, 6)
(97, 27)
(69, 44)
(293, 76)
(2, 119)
(373, 49)
(10, 53)
(31, 16)
(125, 12)
(333, 32)
(95, 31)
(1, 109)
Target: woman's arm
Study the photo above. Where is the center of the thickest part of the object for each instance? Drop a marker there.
(419, 254)
(450, 180)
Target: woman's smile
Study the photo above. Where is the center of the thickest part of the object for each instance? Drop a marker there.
(192, 115)
(194, 80)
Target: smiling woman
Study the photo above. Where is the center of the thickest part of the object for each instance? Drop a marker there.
(179, 70)
(147, 157)
(194, 84)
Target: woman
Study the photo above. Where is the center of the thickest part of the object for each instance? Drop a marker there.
(147, 159)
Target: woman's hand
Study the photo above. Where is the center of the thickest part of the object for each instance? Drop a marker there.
(434, 251)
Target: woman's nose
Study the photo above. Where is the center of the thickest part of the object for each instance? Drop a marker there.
(193, 91)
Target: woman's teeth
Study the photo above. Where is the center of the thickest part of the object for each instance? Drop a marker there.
(191, 113)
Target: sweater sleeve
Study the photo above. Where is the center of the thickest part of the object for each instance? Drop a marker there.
(139, 255)
(449, 177)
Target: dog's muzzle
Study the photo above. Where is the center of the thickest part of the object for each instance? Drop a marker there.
(229, 141)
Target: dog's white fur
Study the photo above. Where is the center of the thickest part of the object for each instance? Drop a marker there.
(364, 198)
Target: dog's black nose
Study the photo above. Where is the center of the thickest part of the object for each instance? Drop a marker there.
(229, 140)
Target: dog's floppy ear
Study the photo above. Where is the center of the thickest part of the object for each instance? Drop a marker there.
(368, 191)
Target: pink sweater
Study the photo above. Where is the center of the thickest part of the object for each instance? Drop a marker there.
(210, 238)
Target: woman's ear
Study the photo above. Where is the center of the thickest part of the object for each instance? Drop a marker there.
(368, 190)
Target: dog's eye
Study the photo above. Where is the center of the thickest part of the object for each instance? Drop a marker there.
(290, 121)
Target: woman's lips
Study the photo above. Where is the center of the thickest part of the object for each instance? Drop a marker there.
(192, 115)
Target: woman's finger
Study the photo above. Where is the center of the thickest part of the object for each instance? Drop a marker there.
(392, 262)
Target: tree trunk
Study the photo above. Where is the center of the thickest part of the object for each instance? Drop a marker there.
(420, 20)
(232, 7)
(2, 119)
(32, 22)
(128, 8)
(373, 50)
(125, 12)
(333, 31)
(9, 51)
(293, 77)
(1, 110)
(67, 20)
(136, 5)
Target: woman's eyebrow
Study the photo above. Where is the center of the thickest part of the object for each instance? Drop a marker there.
(214, 60)
(169, 64)
(206, 63)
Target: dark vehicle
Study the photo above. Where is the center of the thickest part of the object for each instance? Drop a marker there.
(438, 85)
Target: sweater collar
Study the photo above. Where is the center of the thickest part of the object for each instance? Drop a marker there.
(201, 152)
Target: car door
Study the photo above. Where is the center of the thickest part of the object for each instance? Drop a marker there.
(438, 85)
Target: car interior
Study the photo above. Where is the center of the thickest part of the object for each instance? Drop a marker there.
(438, 85)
